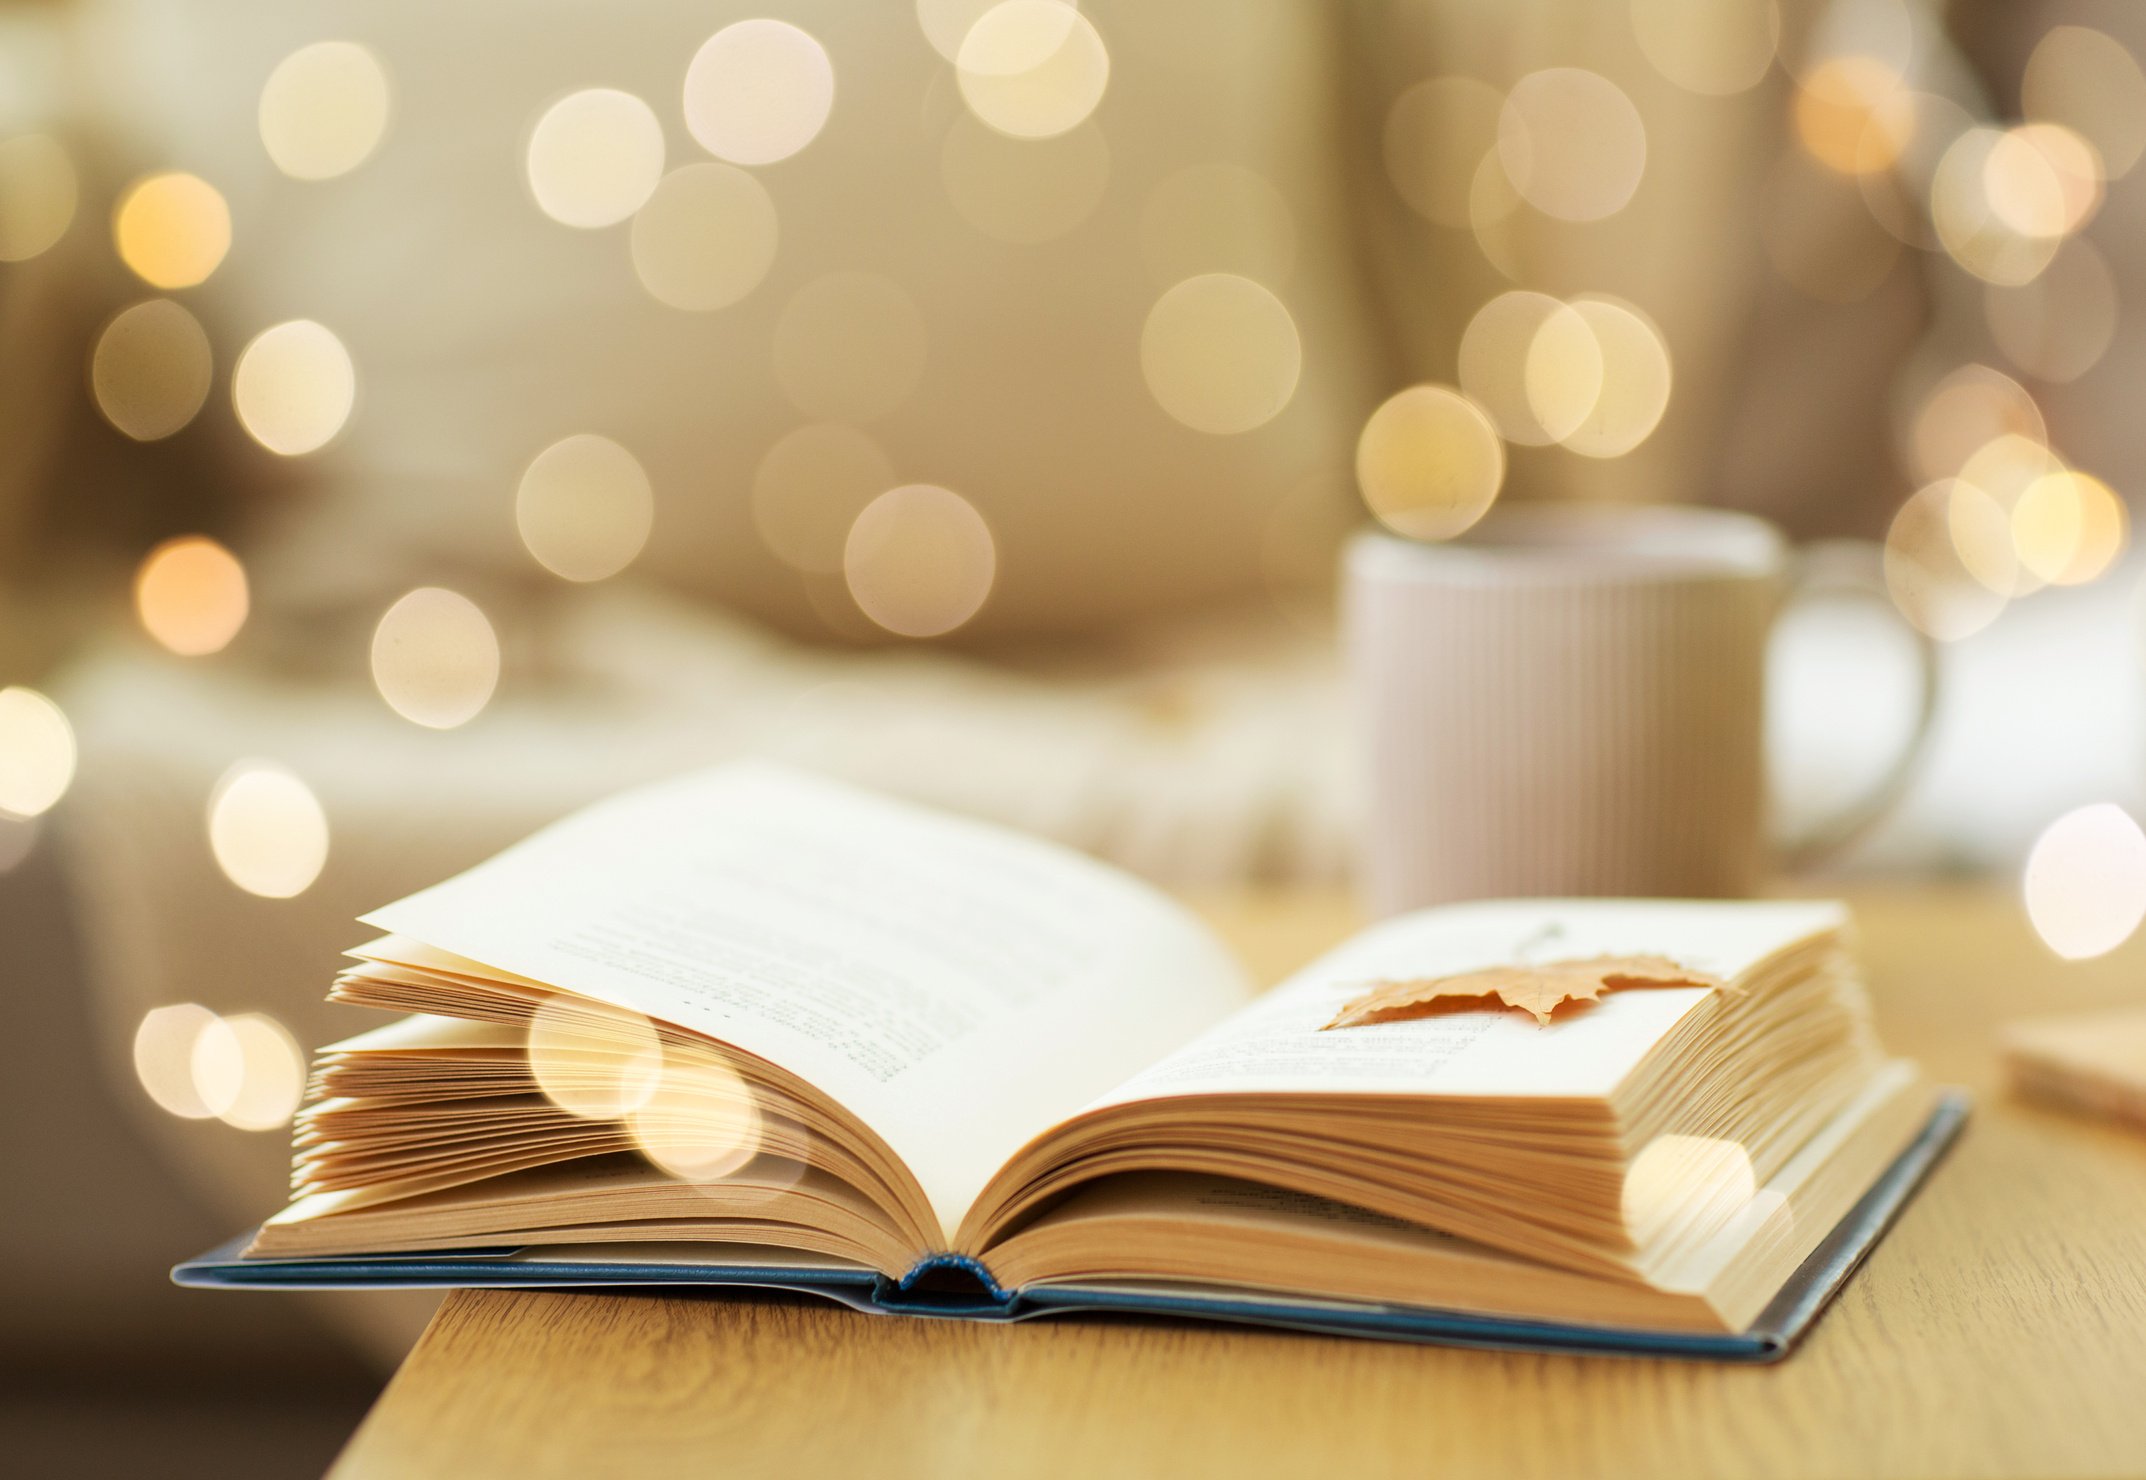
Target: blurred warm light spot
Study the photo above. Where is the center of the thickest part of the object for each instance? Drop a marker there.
(18, 835)
(1981, 166)
(1965, 412)
(435, 658)
(151, 370)
(1533, 364)
(849, 347)
(1897, 157)
(267, 830)
(1217, 217)
(1980, 528)
(1023, 191)
(595, 157)
(1572, 143)
(946, 23)
(2068, 527)
(172, 229)
(164, 1057)
(1032, 68)
(2057, 327)
(705, 238)
(1220, 353)
(1635, 380)
(2085, 882)
(700, 1124)
(1852, 114)
(2042, 179)
(1438, 134)
(2085, 80)
(758, 91)
(584, 507)
(191, 595)
(1492, 202)
(1714, 47)
(593, 1060)
(919, 560)
(810, 487)
(324, 110)
(2002, 469)
(1429, 463)
(248, 1071)
(37, 752)
(1676, 1177)
(294, 387)
(39, 191)
(1924, 570)
(1820, 234)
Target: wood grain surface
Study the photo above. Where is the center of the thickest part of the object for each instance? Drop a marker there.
(1999, 1330)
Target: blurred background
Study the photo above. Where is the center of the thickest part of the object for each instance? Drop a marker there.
(417, 420)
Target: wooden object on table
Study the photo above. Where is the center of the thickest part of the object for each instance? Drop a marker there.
(2000, 1328)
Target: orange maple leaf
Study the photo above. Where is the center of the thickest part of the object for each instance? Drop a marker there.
(1540, 990)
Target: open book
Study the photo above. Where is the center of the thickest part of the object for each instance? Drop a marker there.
(763, 1028)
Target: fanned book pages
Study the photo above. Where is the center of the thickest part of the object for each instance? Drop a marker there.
(755, 1028)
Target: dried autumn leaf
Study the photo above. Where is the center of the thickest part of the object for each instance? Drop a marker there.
(1540, 990)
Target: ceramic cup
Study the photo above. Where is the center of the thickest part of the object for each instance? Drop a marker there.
(1570, 700)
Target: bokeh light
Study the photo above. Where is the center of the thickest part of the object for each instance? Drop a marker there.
(294, 387)
(248, 1071)
(2057, 327)
(584, 507)
(705, 238)
(1437, 135)
(1217, 217)
(1981, 166)
(164, 1057)
(2002, 470)
(190, 594)
(152, 369)
(1032, 68)
(1429, 462)
(1929, 578)
(39, 191)
(593, 1060)
(37, 752)
(2085, 883)
(1023, 191)
(2068, 527)
(1965, 412)
(758, 91)
(700, 1124)
(2042, 180)
(1572, 143)
(595, 157)
(1635, 379)
(849, 346)
(2085, 80)
(946, 23)
(172, 229)
(435, 658)
(1712, 47)
(1493, 209)
(809, 489)
(1852, 114)
(1533, 364)
(267, 830)
(1220, 353)
(324, 110)
(919, 560)
(1675, 1176)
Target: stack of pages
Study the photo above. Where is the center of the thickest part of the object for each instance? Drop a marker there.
(755, 1028)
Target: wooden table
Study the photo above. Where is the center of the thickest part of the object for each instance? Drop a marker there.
(2000, 1329)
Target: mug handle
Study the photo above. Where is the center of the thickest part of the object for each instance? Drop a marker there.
(1857, 568)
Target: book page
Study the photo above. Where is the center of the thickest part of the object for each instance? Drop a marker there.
(1276, 1046)
(955, 985)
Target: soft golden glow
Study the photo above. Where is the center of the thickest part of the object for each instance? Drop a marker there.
(1220, 353)
(1929, 581)
(1438, 134)
(946, 23)
(1635, 379)
(595, 157)
(1217, 217)
(584, 507)
(151, 370)
(2085, 80)
(267, 830)
(1533, 364)
(37, 752)
(593, 1060)
(1981, 163)
(1023, 191)
(2041, 180)
(849, 347)
(2068, 527)
(164, 1057)
(191, 595)
(1965, 412)
(811, 486)
(248, 1071)
(1714, 47)
(1852, 114)
(1429, 463)
(39, 191)
(172, 229)
(1032, 68)
(2057, 327)
(2085, 883)
(1493, 205)
(435, 658)
(919, 560)
(1572, 143)
(324, 110)
(1686, 1177)
(758, 91)
(700, 1124)
(2003, 469)
(705, 238)
(294, 387)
